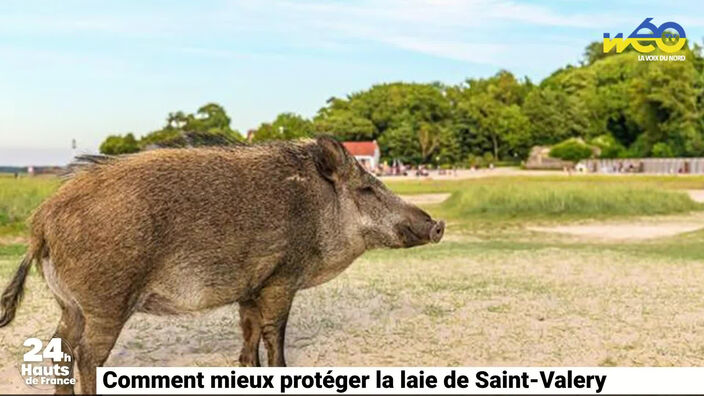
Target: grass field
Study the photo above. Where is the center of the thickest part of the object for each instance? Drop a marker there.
(408, 187)
(18, 197)
(537, 200)
(492, 293)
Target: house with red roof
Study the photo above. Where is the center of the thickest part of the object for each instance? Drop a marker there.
(367, 153)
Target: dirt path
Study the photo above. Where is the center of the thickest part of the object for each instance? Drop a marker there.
(637, 229)
(696, 195)
(624, 231)
(426, 199)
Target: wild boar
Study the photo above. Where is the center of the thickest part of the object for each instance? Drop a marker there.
(182, 230)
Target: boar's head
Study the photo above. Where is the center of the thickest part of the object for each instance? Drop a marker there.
(379, 216)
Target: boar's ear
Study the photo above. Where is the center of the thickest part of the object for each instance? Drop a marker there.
(331, 159)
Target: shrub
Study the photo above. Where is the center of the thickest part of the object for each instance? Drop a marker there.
(488, 158)
(571, 150)
(662, 150)
(609, 146)
(116, 144)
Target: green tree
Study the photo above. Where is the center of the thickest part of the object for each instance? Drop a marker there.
(664, 105)
(595, 51)
(408, 113)
(116, 144)
(420, 143)
(286, 126)
(662, 150)
(620, 105)
(176, 120)
(209, 118)
(209, 126)
(346, 125)
(608, 146)
(487, 116)
(555, 116)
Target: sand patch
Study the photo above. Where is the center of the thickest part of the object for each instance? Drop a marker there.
(425, 199)
(13, 239)
(624, 231)
(696, 195)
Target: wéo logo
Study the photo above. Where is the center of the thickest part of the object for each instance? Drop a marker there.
(669, 37)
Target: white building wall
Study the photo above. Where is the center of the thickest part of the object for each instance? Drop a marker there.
(373, 160)
(646, 165)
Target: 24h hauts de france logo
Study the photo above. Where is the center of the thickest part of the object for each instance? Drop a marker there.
(44, 367)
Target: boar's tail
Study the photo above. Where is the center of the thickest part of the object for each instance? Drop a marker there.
(12, 296)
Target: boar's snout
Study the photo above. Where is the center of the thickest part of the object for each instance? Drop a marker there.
(437, 231)
(422, 232)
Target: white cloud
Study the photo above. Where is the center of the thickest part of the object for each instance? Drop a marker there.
(484, 53)
(447, 13)
(464, 30)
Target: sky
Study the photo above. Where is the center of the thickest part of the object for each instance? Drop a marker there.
(85, 69)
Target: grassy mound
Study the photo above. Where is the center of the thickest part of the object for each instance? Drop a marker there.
(544, 200)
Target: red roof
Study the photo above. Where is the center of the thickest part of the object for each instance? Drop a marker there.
(361, 148)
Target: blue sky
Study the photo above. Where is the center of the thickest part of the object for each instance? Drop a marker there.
(83, 70)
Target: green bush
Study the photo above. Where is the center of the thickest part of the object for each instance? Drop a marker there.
(472, 160)
(488, 158)
(609, 146)
(662, 150)
(115, 144)
(571, 150)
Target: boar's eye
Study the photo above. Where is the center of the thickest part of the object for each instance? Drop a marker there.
(367, 190)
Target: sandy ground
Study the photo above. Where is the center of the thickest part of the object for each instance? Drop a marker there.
(696, 195)
(541, 307)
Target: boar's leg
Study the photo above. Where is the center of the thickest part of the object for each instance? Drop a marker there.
(69, 330)
(274, 303)
(99, 336)
(250, 321)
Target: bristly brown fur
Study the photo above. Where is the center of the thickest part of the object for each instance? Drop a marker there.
(86, 162)
(182, 230)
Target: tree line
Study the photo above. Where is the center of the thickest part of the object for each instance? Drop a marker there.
(613, 102)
